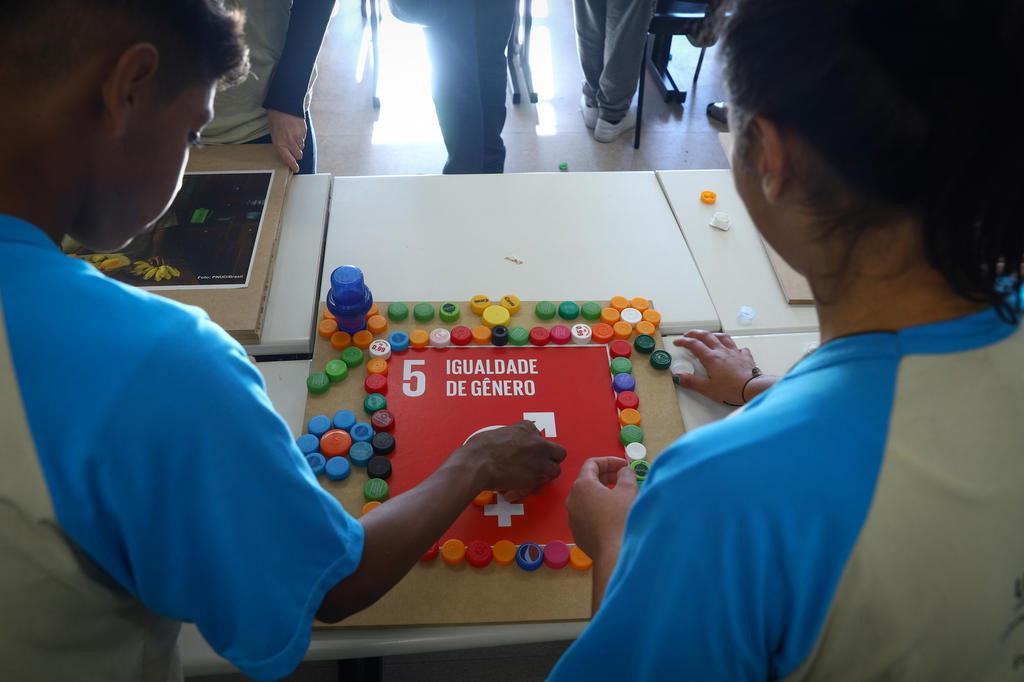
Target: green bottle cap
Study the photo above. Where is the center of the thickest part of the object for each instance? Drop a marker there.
(375, 490)
(318, 383)
(622, 366)
(398, 311)
(631, 434)
(423, 312)
(518, 336)
(640, 468)
(644, 344)
(591, 311)
(449, 311)
(374, 403)
(661, 360)
(568, 311)
(336, 370)
(545, 310)
(352, 356)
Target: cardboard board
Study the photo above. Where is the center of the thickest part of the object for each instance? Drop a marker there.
(435, 593)
(794, 285)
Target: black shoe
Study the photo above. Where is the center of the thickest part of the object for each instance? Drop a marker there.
(719, 112)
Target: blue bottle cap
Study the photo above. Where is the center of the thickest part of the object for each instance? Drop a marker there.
(623, 382)
(308, 443)
(338, 468)
(361, 433)
(319, 425)
(360, 453)
(399, 342)
(347, 278)
(349, 296)
(317, 463)
(344, 419)
(529, 556)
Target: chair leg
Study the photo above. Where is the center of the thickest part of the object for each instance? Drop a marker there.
(700, 61)
(640, 95)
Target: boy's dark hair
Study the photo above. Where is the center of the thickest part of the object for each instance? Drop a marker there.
(912, 107)
(199, 41)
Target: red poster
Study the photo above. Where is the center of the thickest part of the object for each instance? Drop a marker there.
(441, 397)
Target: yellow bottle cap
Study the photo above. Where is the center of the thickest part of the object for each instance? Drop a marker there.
(495, 315)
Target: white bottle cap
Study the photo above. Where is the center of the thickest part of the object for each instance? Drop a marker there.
(380, 349)
(440, 338)
(582, 333)
(631, 315)
(720, 221)
(745, 316)
(636, 451)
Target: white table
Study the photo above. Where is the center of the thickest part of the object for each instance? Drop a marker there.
(733, 263)
(294, 285)
(580, 236)
(774, 353)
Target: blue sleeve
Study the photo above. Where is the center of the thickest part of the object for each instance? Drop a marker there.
(205, 509)
(290, 82)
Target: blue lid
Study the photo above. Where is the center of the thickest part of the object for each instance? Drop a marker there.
(308, 443)
(347, 278)
(361, 453)
(316, 462)
(529, 556)
(338, 468)
(362, 433)
(344, 419)
(348, 296)
(319, 425)
(623, 382)
(399, 342)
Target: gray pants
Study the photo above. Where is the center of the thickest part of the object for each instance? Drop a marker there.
(611, 35)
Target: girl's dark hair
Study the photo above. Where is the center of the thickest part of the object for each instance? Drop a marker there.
(914, 108)
(199, 41)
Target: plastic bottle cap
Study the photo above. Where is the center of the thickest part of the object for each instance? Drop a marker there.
(374, 402)
(622, 365)
(453, 552)
(708, 197)
(318, 425)
(379, 467)
(661, 360)
(423, 312)
(398, 311)
(623, 382)
(644, 343)
(419, 338)
(631, 315)
(644, 327)
(360, 453)
(461, 336)
(481, 335)
(512, 303)
(560, 334)
(539, 336)
(307, 443)
(629, 417)
(579, 560)
(361, 432)
(556, 554)
(380, 349)
(499, 335)
(529, 556)
(484, 498)
(362, 339)
(602, 333)
(631, 434)
(336, 370)
(653, 316)
(440, 338)
(376, 383)
(399, 342)
(344, 419)
(495, 315)
(327, 314)
(326, 328)
(316, 462)
(745, 316)
(640, 303)
(383, 443)
(720, 221)
(627, 400)
(545, 310)
(347, 278)
(591, 311)
(377, 366)
(478, 554)
(581, 333)
(338, 468)
(620, 303)
(382, 420)
(636, 451)
(609, 315)
(504, 552)
(318, 383)
(375, 489)
(479, 303)
(620, 349)
(377, 324)
(370, 506)
(431, 553)
(518, 336)
(682, 367)
(341, 340)
(449, 312)
(622, 330)
(335, 443)
(568, 311)
(352, 356)
(640, 468)
(372, 311)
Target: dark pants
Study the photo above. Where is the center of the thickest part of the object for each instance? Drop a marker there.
(467, 55)
(307, 165)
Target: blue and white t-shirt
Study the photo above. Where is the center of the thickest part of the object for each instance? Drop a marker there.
(861, 520)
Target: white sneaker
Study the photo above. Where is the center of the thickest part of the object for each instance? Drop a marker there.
(608, 132)
(589, 113)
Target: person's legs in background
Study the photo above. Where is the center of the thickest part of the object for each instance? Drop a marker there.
(493, 26)
(590, 34)
(626, 27)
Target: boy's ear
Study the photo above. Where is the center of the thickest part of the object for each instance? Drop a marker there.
(133, 75)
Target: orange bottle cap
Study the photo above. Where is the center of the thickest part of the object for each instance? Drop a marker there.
(341, 340)
(579, 560)
(622, 330)
(602, 333)
(708, 197)
(377, 366)
(370, 506)
(419, 338)
(453, 552)
(362, 339)
(504, 552)
(374, 310)
(335, 443)
(485, 498)
(620, 302)
(645, 327)
(481, 334)
(629, 416)
(328, 315)
(640, 303)
(653, 316)
(326, 328)
(378, 324)
(609, 315)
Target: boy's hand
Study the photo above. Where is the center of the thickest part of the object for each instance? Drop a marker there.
(597, 513)
(288, 135)
(513, 458)
(728, 367)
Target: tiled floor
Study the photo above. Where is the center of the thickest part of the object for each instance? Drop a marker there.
(403, 137)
